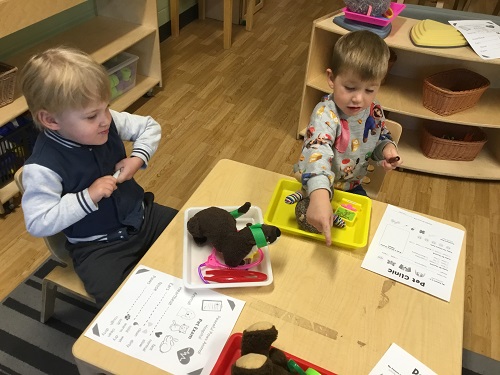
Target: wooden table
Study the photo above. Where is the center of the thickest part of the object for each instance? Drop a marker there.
(327, 309)
(227, 23)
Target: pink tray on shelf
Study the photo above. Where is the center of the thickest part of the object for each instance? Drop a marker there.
(231, 353)
(379, 21)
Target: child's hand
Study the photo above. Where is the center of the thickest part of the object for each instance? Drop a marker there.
(102, 188)
(392, 160)
(319, 213)
(128, 167)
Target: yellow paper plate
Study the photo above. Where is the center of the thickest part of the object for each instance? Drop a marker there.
(429, 33)
(353, 236)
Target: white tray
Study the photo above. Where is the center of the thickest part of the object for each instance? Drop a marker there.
(194, 255)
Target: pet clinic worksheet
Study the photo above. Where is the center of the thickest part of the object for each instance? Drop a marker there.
(156, 319)
(415, 250)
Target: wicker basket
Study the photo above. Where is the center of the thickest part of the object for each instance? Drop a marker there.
(453, 91)
(451, 142)
(7, 83)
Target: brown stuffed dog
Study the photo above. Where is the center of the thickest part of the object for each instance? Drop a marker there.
(257, 355)
(217, 227)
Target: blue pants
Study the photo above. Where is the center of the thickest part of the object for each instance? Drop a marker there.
(358, 190)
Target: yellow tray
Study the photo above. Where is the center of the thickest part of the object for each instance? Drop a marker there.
(282, 215)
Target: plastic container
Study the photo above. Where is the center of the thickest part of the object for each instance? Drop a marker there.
(452, 91)
(17, 139)
(379, 21)
(194, 255)
(451, 142)
(122, 71)
(231, 352)
(7, 83)
(354, 235)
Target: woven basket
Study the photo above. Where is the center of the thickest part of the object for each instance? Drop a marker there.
(7, 83)
(436, 141)
(453, 91)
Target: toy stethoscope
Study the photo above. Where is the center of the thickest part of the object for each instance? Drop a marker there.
(223, 273)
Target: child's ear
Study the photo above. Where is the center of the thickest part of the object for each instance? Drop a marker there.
(47, 119)
(330, 77)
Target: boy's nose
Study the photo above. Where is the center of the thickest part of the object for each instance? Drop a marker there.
(104, 120)
(356, 98)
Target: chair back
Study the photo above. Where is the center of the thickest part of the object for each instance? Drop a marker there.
(56, 242)
(395, 128)
(376, 177)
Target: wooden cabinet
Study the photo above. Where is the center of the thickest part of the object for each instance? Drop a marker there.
(401, 95)
(119, 25)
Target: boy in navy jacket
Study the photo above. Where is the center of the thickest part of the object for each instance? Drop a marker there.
(79, 179)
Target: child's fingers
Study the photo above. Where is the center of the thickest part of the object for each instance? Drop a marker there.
(393, 160)
(327, 231)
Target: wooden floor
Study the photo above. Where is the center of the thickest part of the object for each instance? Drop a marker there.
(243, 104)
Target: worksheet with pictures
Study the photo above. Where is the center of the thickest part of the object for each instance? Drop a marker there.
(397, 361)
(156, 319)
(415, 250)
(482, 35)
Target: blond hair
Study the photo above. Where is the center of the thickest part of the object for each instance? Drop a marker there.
(363, 53)
(63, 78)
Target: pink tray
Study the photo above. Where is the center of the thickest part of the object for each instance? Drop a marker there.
(231, 352)
(379, 21)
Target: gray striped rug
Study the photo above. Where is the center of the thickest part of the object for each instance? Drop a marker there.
(28, 347)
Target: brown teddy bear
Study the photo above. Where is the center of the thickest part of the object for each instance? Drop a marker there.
(257, 355)
(217, 227)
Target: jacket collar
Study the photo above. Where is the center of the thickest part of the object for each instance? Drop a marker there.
(56, 137)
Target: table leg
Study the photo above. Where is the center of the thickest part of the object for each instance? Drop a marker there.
(228, 23)
(174, 17)
(201, 9)
(250, 12)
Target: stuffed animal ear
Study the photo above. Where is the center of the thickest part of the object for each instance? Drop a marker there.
(258, 338)
(271, 232)
(253, 364)
(193, 227)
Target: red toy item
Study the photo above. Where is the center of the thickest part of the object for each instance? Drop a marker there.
(234, 276)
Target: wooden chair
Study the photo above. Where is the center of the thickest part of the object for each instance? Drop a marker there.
(63, 276)
(373, 180)
(228, 15)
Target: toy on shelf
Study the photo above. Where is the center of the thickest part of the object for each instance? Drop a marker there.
(369, 15)
(375, 8)
(430, 33)
(251, 353)
(121, 71)
(217, 227)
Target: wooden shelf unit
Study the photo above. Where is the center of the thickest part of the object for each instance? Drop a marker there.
(119, 25)
(402, 94)
(125, 25)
